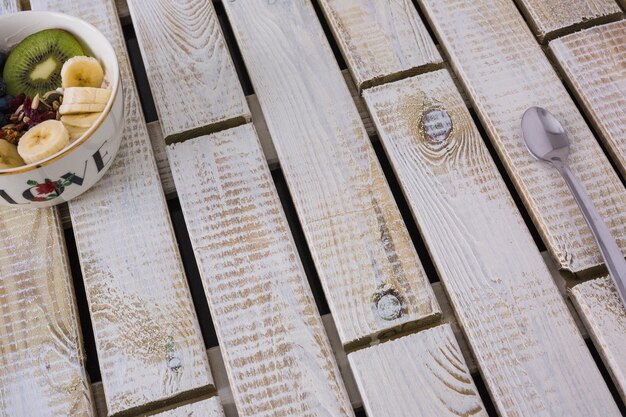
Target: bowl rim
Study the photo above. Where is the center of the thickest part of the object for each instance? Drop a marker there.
(105, 113)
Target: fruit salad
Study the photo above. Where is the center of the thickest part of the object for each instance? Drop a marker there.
(51, 93)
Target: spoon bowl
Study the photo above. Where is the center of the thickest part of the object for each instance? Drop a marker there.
(544, 135)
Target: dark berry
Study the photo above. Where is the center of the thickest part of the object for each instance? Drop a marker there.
(3, 120)
(3, 58)
(5, 104)
(3, 88)
(14, 103)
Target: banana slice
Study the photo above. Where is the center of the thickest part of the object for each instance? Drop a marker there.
(86, 95)
(82, 71)
(80, 120)
(43, 140)
(9, 158)
(75, 132)
(81, 108)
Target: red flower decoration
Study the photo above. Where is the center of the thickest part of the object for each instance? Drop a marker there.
(47, 187)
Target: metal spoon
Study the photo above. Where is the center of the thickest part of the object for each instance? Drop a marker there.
(548, 142)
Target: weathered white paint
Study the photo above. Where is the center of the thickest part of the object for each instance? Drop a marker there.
(504, 72)
(531, 356)
(158, 144)
(191, 74)
(9, 6)
(605, 317)
(357, 238)
(41, 358)
(381, 40)
(594, 64)
(149, 343)
(550, 18)
(41, 355)
(420, 375)
(276, 352)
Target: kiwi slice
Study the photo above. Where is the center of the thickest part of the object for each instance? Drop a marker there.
(34, 65)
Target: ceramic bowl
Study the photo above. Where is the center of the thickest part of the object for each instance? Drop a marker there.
(73, 170)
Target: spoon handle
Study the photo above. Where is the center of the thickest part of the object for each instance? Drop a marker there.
(611, 253)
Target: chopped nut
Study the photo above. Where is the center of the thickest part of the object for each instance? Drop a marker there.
(26, 119)
(55, 105)
(35, 103)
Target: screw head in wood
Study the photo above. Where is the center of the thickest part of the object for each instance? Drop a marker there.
(174, 363)
(389, 307)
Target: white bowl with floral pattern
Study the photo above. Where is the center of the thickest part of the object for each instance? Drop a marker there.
(73, 170)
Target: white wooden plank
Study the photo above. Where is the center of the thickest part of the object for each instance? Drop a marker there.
(504, 72)
(276, 352)
(381, 40)
(605, 317)
(593, 63)
(209, 407)
(149, 343)
(532, 358)
(41, 357)
(358, 241)
(9, 6)
(553, 18)
(420, 375)
(158, 144)
(191, 74)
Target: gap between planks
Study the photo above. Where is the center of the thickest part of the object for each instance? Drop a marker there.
(551, 19)
(147, 335)
(223, 386)
(224, 391)
(158, 144)
(502, 84)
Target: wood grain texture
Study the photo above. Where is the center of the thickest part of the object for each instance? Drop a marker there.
(594, 64)
(42, 363)
(420, 375)
(359, 243)
(192, 77)
(381, 40)
(504, 71)
(531, 356)
(605, 317)
(149, 343)
(41, 357)
(210, 407)
(9, 6)
(276, 352)
(551, 18)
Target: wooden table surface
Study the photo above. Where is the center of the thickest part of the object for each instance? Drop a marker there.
(325, 208)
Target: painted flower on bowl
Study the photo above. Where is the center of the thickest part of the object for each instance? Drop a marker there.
(46, 190)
